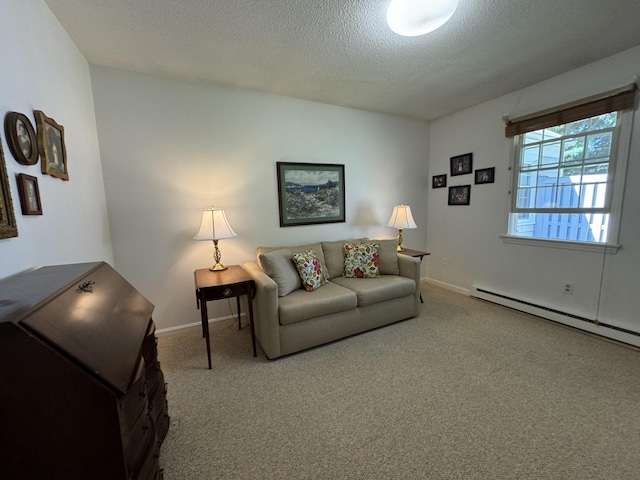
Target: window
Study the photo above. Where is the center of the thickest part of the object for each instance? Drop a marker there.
(564, 176)
(563, 180)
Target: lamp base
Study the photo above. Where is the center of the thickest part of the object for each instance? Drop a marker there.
(218, 267)
(399, 249)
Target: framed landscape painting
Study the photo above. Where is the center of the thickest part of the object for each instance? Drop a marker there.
(310, 193)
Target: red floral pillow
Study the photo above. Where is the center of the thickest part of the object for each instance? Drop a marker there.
(361, 260)
(310, 270)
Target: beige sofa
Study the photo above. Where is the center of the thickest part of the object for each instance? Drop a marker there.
(288, 318)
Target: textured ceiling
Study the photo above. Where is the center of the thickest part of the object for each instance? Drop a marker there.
(341, 51)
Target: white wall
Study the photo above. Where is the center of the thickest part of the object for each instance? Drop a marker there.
(41, 69)
(171, 148)
(469, 236)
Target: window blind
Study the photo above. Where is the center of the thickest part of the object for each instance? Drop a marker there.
(612, 101)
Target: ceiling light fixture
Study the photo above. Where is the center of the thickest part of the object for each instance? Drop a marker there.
(411, 18)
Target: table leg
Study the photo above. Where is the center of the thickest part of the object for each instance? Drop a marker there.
(253, 334)
(238, 303)
(198, 307)
(420, 257)
(204, 315)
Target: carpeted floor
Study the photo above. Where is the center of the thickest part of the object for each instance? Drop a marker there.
(469, 390)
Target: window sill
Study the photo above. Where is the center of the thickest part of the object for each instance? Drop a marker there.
(562, 244)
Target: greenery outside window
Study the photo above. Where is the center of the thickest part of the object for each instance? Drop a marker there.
(565, 162)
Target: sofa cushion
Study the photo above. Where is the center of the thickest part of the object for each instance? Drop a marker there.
(375, 290)
(317, 247)
(301, 305)
(388, 256)
(278, 264)
(361, 260)
(334, 255)
(310, 269)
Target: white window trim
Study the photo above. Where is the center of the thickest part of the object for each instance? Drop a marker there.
(622, 160)
(562, 244)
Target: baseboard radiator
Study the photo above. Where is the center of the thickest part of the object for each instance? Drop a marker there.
(576, 321)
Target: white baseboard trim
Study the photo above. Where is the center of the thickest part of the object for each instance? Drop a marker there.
(194, 326)
(448, 286)
(580, 323)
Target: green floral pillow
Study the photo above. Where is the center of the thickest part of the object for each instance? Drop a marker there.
(361, 260)
(310, 270)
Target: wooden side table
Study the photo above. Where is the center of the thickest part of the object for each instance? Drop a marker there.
(414, 253)
(229, 283)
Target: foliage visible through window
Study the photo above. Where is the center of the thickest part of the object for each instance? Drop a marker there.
(564, 179)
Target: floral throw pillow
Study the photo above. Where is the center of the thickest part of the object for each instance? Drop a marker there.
(361, 260)
(310, 270)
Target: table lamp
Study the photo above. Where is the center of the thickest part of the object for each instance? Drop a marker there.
(215, 226)
(401, 218)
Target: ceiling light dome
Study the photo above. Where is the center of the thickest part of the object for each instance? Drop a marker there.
(411, 18)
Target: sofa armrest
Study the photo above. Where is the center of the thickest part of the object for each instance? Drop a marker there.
(410, 268)
(265, 302)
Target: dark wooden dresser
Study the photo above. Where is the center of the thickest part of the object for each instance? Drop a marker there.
(82, 395)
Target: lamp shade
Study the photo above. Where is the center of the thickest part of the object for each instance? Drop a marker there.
(214, 226)
(401, 217)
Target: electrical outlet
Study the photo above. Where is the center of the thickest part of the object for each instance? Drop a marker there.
(567, 287)
(445, 261)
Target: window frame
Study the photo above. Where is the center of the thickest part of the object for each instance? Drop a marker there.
(612, 163)
(619, 158)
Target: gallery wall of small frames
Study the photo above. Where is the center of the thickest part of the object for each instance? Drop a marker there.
(28, 145)
(460, 165)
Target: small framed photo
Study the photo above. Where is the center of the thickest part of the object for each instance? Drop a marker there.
(310, 193)
(461, 164)
(485, 175)
(439, 181)
(53, 152)
(460, 195)
(29, 194)
(21, 138)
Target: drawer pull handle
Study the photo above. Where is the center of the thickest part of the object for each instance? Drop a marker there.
(86, 287)
(227, 292)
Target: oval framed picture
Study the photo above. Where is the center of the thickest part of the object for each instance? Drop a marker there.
(21, 138)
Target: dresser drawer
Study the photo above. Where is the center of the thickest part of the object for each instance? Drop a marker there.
(147, 464)
(150, 469)
(140, 442)
(162, 425)
(150, 344)
(133, 404)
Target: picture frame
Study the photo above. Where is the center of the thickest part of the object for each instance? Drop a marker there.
(21, 138)
(29, 194)
(461, 164)
(8, 225)
(460, 195)
(310, 193)
(53, 152)
(485, 175)
(439, 181)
